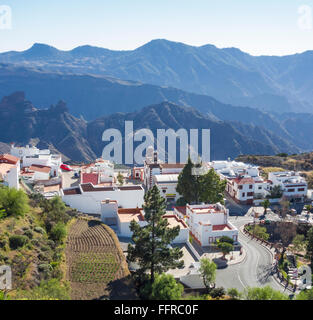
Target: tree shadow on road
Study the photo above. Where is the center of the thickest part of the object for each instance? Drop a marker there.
(264, 273)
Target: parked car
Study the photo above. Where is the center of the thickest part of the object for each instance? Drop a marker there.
(65, 167)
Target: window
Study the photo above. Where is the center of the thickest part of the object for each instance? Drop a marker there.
(250, 186)
(243, 194)
(260, 187)
(291, 190)
(240, 187)
(301, 189)
(250, 194)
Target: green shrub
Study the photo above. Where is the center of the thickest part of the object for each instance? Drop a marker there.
(217, 292)
(47, 290)
(35, 242)
(58, 232)
(28, 233)
(3, 243)
(39, 230)
(165, 287)
(45, 248)
(14, 202)
(226, 239)
(17, 241)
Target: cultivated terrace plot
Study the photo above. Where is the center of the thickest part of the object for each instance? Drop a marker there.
(96, 264)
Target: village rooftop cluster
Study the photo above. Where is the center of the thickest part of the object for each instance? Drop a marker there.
(116, 196)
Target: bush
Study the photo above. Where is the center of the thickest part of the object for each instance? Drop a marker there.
(29, 234)
(165, 287)
(217, 292)
(226, 239)
(3, 243)
(234, 294)
(17, 241)
(58, 232)
(47, 290)
(35, 242)
(14, 202)
(39, 230)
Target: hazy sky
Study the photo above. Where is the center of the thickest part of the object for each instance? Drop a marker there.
(272, 27)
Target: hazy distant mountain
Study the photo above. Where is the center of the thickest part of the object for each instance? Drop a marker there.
(280, 84)
(78, 140)
(227, 139)
(94, 96)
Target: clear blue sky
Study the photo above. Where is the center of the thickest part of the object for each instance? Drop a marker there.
(255, 26)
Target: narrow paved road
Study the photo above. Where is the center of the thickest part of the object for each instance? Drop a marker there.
(254, 271)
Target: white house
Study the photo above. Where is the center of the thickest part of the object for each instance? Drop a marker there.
(102, 171)
(167, 184)
(10, 170)
(87, 198)
(33, 156)
(208, 222)
(293, 185)
(126, 216)
(244, 183)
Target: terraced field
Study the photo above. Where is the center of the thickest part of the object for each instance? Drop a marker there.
(94, 259)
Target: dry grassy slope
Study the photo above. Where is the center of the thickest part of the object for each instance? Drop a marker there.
(300, 162)
(25, 261)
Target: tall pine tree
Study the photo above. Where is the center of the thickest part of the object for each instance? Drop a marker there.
(195, 187)
(151, 250)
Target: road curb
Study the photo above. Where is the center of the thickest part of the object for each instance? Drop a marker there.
(243, 257)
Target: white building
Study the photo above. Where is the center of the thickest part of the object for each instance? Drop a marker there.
(36, 173)
(126, 216)
(154, 166)
(293, 185)
(33, 156)
(87, 198)
(167, 184)
(10, 170)
(232, 169)
(102, 171)
(208, 223)
(244, 183)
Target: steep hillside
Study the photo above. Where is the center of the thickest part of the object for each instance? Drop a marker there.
(227, 139)
(54, 127)
(78, 140)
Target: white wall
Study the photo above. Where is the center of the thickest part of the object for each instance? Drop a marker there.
(90, 202)
(108, 210)
(12, 178)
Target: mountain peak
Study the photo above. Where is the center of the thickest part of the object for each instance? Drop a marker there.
(41, 50)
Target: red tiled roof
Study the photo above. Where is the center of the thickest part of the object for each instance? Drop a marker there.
(90, 178)
(8, 158)
(40, 168)
(240, 181)
(69, 192)
(220, 227)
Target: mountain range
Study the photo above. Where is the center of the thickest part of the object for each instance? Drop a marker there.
(21, 122)
(270, 83)
(90, 97)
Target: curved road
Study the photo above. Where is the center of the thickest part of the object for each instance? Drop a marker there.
(254, 271)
